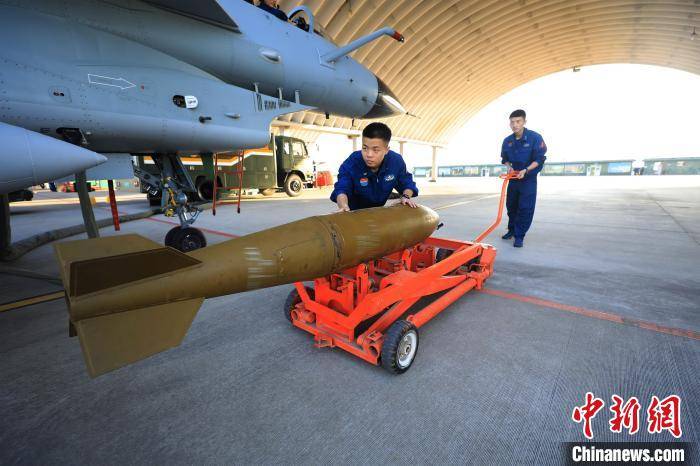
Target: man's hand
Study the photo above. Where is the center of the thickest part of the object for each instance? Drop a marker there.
(408, 202)
(406, 198)
(342, 201)
(521, 174)
(510, 168)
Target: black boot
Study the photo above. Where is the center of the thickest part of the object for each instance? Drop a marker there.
(508, 235)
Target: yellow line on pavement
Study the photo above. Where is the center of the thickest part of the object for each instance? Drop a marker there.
(455, 204)
(29, 301)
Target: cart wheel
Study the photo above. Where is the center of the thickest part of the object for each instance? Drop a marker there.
(399, 347)
(443, 254)
(293, 299)
(188, 239)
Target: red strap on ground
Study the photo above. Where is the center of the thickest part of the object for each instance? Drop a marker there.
(679, 332)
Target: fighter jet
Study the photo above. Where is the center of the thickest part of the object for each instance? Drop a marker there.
(89, 79)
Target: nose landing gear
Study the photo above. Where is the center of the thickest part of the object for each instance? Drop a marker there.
(173, 186)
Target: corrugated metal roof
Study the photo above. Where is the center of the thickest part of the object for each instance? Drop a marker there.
(461, 55)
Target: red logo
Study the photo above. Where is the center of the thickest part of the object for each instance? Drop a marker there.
(661, 414)
(626, 415)
(665, 415)
(587, 412)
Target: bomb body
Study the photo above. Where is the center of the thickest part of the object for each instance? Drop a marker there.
(121, 283)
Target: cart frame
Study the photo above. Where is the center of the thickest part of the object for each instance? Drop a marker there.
(354, 308)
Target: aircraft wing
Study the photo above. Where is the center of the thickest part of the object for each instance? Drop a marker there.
(206, 10)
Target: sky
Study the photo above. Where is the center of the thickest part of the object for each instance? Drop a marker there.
(601, 112)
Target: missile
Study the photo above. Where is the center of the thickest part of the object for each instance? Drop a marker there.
(29, 158)
(129, 298)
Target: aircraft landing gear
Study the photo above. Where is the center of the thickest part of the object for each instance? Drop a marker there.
(173, 186)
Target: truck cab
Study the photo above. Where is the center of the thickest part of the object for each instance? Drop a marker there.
(294, 166)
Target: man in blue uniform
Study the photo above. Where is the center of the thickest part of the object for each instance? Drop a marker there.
(523, 152)
(367, 177)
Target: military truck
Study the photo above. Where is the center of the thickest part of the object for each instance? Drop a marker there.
(283, 165)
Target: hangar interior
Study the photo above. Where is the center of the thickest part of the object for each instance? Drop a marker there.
(603, 299)
(461, 55)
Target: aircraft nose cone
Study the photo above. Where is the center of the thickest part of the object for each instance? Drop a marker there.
(387, 104)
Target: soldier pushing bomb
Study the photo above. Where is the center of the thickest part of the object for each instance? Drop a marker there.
(367, 177)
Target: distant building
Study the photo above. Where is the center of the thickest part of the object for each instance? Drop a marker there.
(652, 166)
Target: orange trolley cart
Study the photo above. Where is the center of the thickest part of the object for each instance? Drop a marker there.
(361, 309)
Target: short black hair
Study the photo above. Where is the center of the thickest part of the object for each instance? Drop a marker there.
(517, 113)
(377, 131)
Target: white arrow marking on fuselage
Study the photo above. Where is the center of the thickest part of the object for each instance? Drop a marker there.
(121, 83)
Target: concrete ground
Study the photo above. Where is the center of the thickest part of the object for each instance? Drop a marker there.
(496, 376)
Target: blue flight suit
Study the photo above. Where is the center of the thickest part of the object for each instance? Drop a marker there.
(365, 188)
(274, 11)
(522, 194)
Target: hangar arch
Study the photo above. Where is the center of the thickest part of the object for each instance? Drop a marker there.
(460, 55)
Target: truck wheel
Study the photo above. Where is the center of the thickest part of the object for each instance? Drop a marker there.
(399, 347)
(267, 191)
(205, 190)
(293, 299)
(293, 185)
(153, 201)
(185, 239)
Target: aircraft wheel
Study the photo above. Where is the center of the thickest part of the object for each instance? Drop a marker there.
(170, 236)
(293, 299)
(267, 191)
(185, 239)
(399, 347)
(293, 185)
